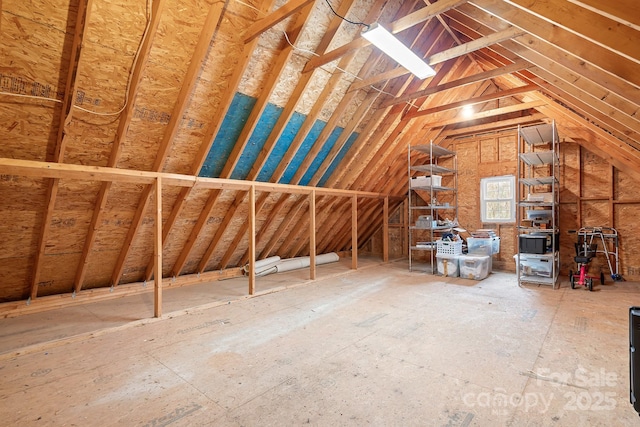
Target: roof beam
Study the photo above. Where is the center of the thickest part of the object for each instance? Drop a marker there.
(584, 23)
(508, 69)
(569, 42)
(478, 100)
(489, 113)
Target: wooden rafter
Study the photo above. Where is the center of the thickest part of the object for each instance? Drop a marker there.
(82, 19)
(568, 75)
(121, 134)
(455, 52)
(363, 108)
(617, 37)
(243, 139)
(189, 82)
(360, 175)
(207, 141)
(490, 113)
(581, 72)
(578, 46)
(269, 86)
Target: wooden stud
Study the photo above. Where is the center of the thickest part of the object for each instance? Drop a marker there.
(252, 240)
(312, 235)
(354, 232)
(116, 275)
(385, 230)
(157, 251)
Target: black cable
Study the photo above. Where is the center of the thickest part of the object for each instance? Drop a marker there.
(345, 19)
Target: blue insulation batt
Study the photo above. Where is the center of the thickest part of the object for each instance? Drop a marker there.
(231, 129)
(232, 125)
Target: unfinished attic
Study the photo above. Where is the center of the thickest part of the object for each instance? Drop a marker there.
(155, 149)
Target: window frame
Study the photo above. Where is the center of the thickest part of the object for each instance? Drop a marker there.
(483, 200)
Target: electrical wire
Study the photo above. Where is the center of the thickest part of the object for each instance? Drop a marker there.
(133, 66)
(343, 18)
(30, 96)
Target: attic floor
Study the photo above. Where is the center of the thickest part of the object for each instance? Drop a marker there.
(378, 346)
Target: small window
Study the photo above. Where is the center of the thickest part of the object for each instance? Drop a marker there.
(497, 199)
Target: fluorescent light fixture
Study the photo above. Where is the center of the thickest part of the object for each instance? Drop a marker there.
(389, 44)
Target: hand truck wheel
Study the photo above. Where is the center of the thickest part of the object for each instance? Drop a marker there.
(590, 283)
(601, 278)
(572, 280)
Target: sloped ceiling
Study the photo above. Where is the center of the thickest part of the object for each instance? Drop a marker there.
(275, 91)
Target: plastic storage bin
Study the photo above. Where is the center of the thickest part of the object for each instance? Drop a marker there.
(449, 248)
(535, 265)
(448, 265)
(483, 245)
(426, 181)
(474, 266)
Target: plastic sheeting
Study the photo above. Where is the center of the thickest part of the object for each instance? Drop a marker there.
(276, 265)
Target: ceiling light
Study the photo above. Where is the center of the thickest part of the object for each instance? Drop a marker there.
(467, 111)
(389, 44)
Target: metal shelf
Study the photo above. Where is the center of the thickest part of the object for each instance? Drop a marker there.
(433, 150)
(540, 180)
(430, 188)
(431, 169)
(538, 134)
(537, 204)
(429, 207)
(538, 158)
(538, 146)
(430, 195)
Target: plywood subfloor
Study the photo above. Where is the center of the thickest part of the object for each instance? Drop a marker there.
(379, 346)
